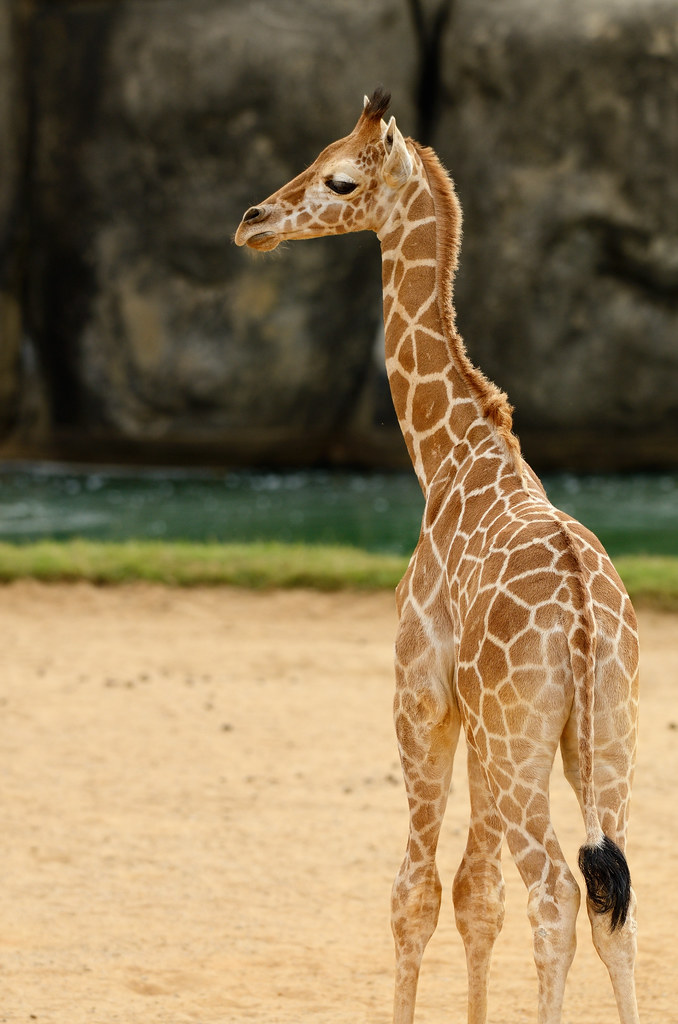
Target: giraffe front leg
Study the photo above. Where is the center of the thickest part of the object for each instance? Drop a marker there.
(478, 890)
(427, 727)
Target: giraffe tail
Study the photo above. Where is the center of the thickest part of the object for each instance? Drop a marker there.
(608, 880)
(601, 860)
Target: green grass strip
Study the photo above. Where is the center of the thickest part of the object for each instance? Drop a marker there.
(191, 564)
(651, 581)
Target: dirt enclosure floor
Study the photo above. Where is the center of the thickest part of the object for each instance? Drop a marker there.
(202, 814)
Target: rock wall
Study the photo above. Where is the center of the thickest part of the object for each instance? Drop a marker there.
(561, 130)
(156, 125)
(10, 157)
(145, 129)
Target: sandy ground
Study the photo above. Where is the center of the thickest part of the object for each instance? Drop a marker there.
(202, 814)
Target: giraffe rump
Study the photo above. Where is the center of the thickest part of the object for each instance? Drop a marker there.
(608, 881)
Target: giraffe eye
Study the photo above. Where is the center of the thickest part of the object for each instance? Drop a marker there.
(340, 186)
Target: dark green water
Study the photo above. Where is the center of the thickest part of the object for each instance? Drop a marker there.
(380, 512)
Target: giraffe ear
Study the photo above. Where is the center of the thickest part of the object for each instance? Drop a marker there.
(398, 163)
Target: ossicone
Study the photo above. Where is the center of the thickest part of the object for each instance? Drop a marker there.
(377, 104)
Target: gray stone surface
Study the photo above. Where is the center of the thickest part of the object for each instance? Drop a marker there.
(157, 125)
(10, 160)
(561, 130)
(134, 133)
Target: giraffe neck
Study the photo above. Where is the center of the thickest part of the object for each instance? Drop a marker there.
(445, 406)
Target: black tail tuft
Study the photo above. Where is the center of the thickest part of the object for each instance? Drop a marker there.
(608, 881)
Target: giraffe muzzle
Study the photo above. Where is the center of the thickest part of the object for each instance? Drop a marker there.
(247, 233)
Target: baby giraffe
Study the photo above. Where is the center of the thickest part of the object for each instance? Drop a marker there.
(513, 624)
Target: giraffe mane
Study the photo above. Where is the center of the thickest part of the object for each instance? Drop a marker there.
(493, 402)
(378, 104)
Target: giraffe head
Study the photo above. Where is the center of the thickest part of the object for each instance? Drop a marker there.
(350, 187)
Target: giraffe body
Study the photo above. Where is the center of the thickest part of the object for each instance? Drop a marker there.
(514, 627)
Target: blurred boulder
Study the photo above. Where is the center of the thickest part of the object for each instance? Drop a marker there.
(135, 134)
(156, 126)
(11, 110)
(560, 128)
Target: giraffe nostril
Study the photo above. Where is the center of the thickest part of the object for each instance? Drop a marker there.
(254, 213)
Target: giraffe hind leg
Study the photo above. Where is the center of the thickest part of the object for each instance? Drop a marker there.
(521, 795)
(613, 921)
